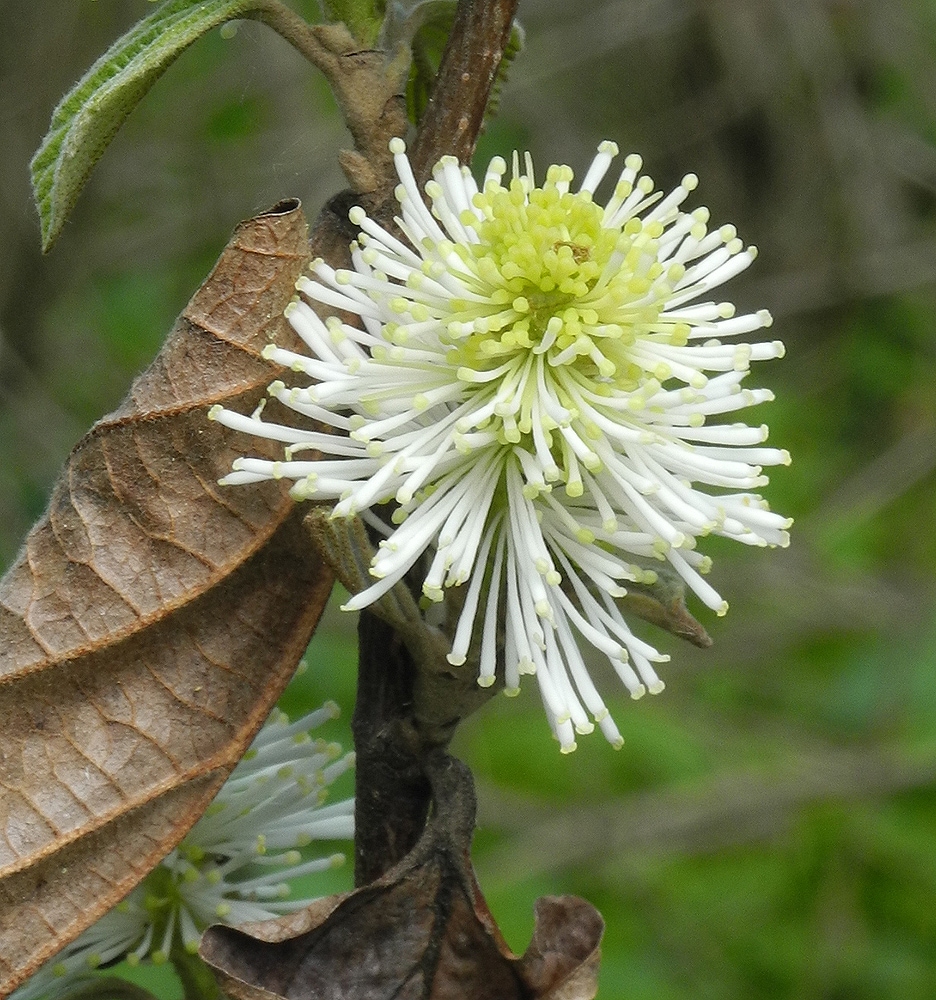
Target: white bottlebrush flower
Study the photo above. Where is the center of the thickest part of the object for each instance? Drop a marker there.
(233, 866)
(532, 385)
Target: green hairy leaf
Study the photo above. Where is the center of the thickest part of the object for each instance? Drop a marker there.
(512, 49)
(89, 115)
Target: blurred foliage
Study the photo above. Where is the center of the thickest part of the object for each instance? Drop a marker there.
(769, 829)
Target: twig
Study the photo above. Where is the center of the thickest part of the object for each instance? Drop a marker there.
(455, 114)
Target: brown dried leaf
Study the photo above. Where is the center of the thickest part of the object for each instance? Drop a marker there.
(562, 960)
(152, 618)
(421, 932)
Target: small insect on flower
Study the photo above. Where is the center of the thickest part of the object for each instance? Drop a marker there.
(533, 385)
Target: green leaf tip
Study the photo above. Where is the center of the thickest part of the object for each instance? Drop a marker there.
(89, 115)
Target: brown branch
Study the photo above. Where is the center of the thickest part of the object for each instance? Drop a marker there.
(392, 792)
(455, 113)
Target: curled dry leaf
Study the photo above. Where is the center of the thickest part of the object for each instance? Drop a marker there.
(421, 932)
(152, 618)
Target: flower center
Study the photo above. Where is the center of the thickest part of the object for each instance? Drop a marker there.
(541, 252)
(553, 278)
(563, 298)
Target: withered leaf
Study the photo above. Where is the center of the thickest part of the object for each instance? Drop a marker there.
(152, 618)
(562, 960)
(421, 932)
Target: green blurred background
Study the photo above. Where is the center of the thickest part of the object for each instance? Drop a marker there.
(769, 828)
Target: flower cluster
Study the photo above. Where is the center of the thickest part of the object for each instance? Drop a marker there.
(532, 385)
(232, 866)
